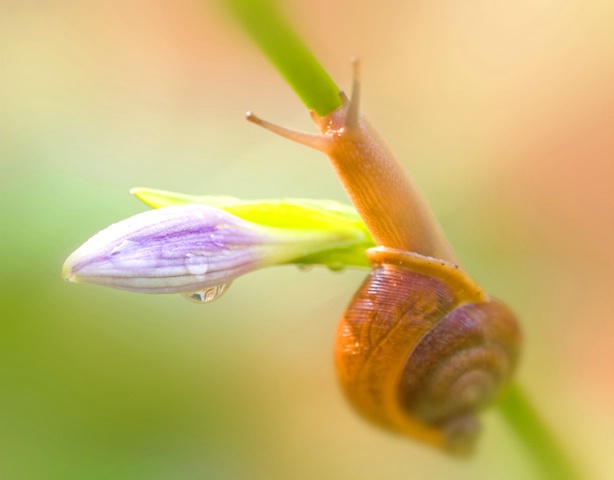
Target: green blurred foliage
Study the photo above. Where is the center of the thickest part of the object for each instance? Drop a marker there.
(500, 113)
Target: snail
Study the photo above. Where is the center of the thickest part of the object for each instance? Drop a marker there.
(421, 349)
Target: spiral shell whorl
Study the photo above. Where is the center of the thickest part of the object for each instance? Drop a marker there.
(460, 366)
(419, 354)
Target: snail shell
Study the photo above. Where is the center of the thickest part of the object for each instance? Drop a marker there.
(421, 348)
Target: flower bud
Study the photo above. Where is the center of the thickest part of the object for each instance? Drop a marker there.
(188, 248)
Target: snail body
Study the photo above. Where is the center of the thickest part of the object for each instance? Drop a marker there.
(421, 348)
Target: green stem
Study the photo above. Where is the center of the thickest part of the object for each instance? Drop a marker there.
(266, 25)
(539, 442)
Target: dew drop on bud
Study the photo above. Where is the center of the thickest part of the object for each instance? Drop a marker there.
(197, 265)
(207, 294)
(336, 267)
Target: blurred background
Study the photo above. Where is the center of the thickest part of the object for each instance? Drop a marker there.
(503, 112)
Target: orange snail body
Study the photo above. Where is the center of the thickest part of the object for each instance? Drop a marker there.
(421, 348)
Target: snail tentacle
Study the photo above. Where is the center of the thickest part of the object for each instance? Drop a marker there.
(317, 142)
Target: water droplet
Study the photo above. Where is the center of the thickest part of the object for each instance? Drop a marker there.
(208, 294)
(125, 246)
(336, 266)
(305, 267)
(197, 265)
(218, 240)
(116, 254)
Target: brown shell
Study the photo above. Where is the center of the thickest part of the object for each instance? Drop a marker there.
(421, 348)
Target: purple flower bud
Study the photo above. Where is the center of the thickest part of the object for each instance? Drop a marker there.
(186, 248)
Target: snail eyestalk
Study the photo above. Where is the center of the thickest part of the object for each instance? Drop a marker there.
(386, 198)
(311, 140)
(353, 114)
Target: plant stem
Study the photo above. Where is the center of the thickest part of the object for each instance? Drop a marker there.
(268, 28)
(539, 442)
